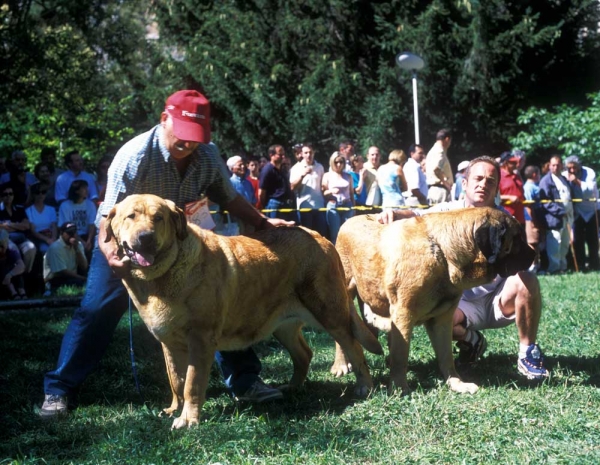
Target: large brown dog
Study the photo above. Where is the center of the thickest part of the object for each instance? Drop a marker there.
(414, 271)
(199, 292)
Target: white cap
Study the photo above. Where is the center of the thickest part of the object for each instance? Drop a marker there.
(462, 165)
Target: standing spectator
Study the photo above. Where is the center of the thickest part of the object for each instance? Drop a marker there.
(438, 170)
(372, 165)
(253, 175)
(17, 180)
(44, 176)
(11, 269)
(65, 263)
(14, 220)
(582, 181)
(558, 215)
(346, 150)
(102, 175)
(533, 227)
(81, 211)
(391, 181)
(358, 173)
(305, 180)
(74, 162)
(42, 219)
(511, 187)
(274, 189)
(338, 191)
(237, 166)
(175, 160)
(18, 161)
(416, 183)
(457, 188)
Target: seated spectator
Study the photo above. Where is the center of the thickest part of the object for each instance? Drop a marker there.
(42, 219)
(14, 220)
(18, 162)
(74, 162)
(102, 175)
(65, 263)
(80, 210)
(11, 269)
(338, 191)
(43, 174)
(48, 158)
(391, 181)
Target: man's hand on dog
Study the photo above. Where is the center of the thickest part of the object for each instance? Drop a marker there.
(120, 265)
(389, 216)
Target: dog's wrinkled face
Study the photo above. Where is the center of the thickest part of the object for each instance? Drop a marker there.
(502, 241)
(144, 225)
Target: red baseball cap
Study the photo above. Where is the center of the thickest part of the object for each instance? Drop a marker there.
(190, 111)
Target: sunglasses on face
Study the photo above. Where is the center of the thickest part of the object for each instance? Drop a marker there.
(41, 192)
(71, 232)
(7, 194)
(339, 162)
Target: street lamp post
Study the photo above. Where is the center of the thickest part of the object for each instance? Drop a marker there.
(412, 62)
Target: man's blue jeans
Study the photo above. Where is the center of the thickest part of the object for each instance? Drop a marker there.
(273, 204)
(93, 324)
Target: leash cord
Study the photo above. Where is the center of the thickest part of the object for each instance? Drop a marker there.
(132, 355)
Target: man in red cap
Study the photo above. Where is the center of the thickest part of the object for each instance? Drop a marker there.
(175, 160)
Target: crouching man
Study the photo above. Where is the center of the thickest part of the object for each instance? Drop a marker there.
(497, 304)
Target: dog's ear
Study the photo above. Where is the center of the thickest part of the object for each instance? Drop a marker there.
(108, 225)
(179, 220)
(488, 238)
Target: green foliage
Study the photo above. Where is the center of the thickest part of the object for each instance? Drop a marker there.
(570, 129)
(509, 420)
(70, 71)
(281, 71)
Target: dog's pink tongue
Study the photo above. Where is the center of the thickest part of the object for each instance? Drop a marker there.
(144, 260)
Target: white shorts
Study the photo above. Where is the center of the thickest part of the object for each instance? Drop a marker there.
(484, 312)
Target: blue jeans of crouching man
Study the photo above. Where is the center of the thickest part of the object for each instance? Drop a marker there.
(93, 324)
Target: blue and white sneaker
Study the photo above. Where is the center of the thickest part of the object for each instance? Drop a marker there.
(532, 365)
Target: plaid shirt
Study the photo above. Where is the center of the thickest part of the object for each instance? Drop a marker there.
(144, 166)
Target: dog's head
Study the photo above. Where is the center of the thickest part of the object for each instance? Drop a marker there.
(501, 239)
(143, 226)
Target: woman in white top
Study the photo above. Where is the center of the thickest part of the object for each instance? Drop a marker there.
(42, 218)
(338, 190)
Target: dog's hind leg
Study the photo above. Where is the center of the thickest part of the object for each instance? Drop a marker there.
(175, 362)
(349, 348)
(290, 336)
(439, 330)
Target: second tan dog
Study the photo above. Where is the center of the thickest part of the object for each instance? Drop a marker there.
(198, 293)
(413, 272)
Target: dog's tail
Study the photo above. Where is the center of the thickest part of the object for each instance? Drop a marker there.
(360, 331)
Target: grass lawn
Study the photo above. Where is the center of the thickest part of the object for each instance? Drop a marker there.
(510, 420)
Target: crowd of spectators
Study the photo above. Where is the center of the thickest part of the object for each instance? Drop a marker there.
(46, 219)
(52, 210)
(556, 204)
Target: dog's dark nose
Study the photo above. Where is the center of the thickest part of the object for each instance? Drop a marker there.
(146, 240)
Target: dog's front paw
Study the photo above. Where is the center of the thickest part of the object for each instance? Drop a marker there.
(341, 369)
(457, 385)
